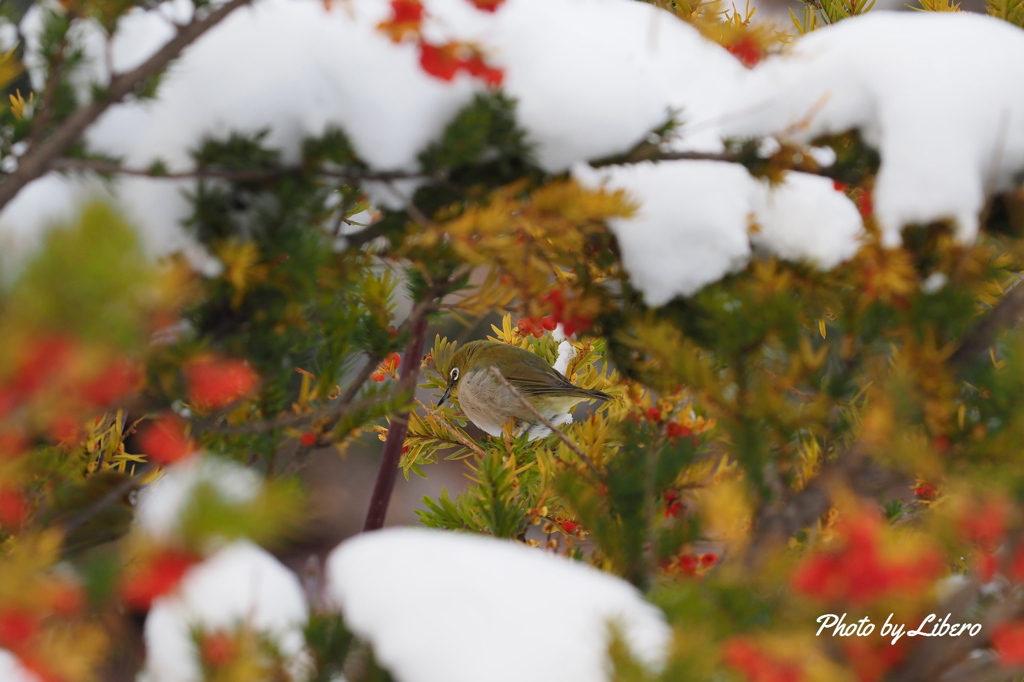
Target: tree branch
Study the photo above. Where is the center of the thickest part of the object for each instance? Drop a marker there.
(853, 470)
(810, 168)
(1009, 312)
(392, 455)
(261, 175)
(42, 153)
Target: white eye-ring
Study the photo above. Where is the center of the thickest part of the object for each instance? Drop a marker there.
(455, 374)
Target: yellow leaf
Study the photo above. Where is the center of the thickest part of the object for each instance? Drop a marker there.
(241, 270)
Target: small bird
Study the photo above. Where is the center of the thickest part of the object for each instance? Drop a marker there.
(490, 405)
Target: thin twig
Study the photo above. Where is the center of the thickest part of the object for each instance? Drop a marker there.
(392, 455)
(335, 411)
(261, 175)
(546, 422)
(1009, 312)
(457, 433)
(810, 168)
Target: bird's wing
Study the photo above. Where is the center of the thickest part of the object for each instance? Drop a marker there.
(537, 380)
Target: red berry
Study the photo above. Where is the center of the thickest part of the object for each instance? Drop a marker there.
(439, 62)
(1008, 642)
(747, 50)
(378, 376)
(708, 559)
(214, 384)
(158, 577)
(476, 67)
(17, 627)
(218, 649)
(308, 439)
(115, 381)
(13, 507)
(487, 5)
(164, 441)
(406, 11)
(569, 527)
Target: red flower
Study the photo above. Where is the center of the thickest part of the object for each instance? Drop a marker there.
(117, 380)
(13, 507)
(757, 665)
(478, 68)
(747, 50)
(387, 368)
(406, 17)
(677, 430)
(12, 444)
(66, 598)
(157, 577)
(46, 360)
(214, 384)
(9, 399)
(689, 563)
(986, 566)
(1008, 642)
(1017, 564)
(653, 415)
(865, 204)
(308, 439)
(17, 627)
(858, 573)
(64, 429)
(487, 5)
(926, 491)
(673, 509)
(439, 62)
(218, 649)
(406, 11)
(164, 441)
(986, 524)
(708, 559)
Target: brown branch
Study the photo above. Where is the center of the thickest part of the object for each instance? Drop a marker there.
(334, 411)
(810, 168)
(546, 422)
(43, 152)
(1009, 312)
(392, 455)
(261, 175)
(853, 470)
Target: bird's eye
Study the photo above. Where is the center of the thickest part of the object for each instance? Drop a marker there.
(455, 374)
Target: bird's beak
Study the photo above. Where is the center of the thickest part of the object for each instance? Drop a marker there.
(447, 392)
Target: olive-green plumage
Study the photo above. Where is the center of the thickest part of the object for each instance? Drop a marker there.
(490, 405)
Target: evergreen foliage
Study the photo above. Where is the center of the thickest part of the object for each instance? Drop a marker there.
(760, 432)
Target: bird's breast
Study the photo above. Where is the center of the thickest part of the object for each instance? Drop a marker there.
(490, 405)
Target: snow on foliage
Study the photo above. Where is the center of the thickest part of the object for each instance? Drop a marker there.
(929, 91)
(591, 78)
(472, 595)
(163, 503)
(239, 586)
(11, 669)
